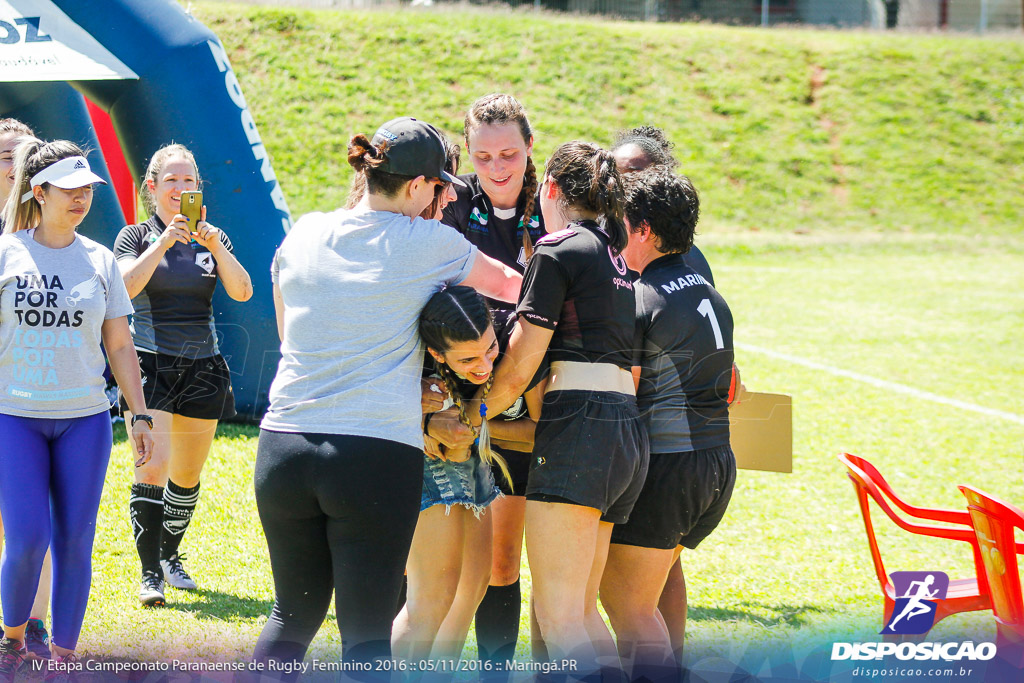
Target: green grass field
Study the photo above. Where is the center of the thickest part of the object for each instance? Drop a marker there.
(862, 210)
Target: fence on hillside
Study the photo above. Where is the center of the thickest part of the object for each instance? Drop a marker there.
(955, 15)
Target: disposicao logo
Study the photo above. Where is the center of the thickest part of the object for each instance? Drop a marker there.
(918, 594)
(947, 652)
(914, 613)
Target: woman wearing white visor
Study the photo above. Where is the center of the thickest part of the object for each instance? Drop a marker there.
(60, 295)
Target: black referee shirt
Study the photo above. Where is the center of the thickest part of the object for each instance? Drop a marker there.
(174, 311)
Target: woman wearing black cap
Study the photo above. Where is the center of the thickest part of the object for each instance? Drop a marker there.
(339, 468)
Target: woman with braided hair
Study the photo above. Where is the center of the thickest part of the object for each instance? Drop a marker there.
(451, 549)
(498, 212)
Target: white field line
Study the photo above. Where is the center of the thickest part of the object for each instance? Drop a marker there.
(882, 384)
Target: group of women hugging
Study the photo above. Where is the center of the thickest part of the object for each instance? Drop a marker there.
(466, 359)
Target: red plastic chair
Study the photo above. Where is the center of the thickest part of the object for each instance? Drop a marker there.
(964, 595)
(994, 523)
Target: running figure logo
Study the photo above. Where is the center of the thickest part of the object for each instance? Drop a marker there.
(920, 593)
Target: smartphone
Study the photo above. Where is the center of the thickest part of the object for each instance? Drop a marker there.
(191, 207)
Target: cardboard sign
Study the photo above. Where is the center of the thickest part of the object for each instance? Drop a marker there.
(761, 429)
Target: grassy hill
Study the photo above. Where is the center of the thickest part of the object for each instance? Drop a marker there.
(791, 130)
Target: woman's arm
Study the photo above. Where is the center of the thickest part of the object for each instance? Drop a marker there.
(124, 363)
(279, 311)
(517, 435)
(526, 348)
(136, 273)
(493, 278)
(232, 274)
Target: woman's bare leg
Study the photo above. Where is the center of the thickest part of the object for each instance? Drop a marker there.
(473, 579)
(434, 565)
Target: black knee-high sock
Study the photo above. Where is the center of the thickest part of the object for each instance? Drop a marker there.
(497, 622)
(179, 505)
(147, 512)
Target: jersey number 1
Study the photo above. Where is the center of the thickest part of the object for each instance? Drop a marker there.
(708, 312)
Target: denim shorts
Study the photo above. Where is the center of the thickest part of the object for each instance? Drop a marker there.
(468, 483)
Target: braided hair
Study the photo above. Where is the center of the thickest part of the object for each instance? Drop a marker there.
(452, 316)
(499, 109)
(530, 186)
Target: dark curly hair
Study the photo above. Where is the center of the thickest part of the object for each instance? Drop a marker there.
(665, 202)
(656, 147)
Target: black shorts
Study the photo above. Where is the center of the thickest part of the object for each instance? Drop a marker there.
(589, 450)
(518, 466)
(683, 499)
(192, 387)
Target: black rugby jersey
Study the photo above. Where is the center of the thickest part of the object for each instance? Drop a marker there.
(472, 214)
(174, 311)
(695, 259)
(504, 323)
(578, 286)
(684, 339)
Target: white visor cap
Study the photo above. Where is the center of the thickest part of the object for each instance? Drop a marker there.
(66, 174)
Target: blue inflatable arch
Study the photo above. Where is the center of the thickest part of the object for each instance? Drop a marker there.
(166, 47)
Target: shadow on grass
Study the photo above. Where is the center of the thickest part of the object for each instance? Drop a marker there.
(785, 615)
(208, 604)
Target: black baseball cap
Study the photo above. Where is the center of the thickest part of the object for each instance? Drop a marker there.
(413, 148)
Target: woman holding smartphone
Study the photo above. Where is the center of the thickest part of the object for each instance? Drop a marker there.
(171, 268)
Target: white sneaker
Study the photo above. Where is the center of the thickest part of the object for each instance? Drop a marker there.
(175, 574)
(151, 590)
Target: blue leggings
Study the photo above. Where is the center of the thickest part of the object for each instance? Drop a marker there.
(51, 479)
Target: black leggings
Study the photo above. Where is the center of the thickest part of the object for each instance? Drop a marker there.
(339, 513)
